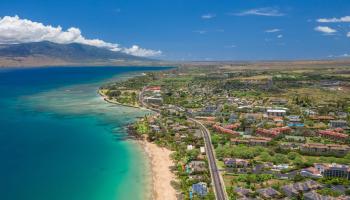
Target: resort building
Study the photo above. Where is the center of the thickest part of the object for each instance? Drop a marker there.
(252, 141)
(333, 170)
(274, 132)
(330, 134)
(324, 149)
(221, 129)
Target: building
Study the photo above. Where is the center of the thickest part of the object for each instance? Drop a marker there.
(333, 170)
(338, 124)
(313, 195)
(330, 134)
(268, 193)
(252, 141)
(311, 172)
(221, 129)
(236, 163)
(274, 132)
(196, 167)
(278, 101)
(153, 100)
(321, 117)
(200, 189)
(295, 189)
(243, 192)
(202, 150)
(275, 113)
(324, 149)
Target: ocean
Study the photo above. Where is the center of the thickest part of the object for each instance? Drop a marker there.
(60, 141)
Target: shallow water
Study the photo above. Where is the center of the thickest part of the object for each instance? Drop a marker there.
(60, 140)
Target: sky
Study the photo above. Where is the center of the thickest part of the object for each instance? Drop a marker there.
(187, 29)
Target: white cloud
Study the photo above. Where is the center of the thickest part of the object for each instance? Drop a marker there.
(345, 55)
(273, 30)
(280, 36)
(267, 11)
(348, 35)
(325, 29)
(334, 20)
(201, 31)
(208, 16)
(137, 51)
(14, 30)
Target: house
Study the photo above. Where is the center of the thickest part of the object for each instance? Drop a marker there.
(268, 193)
(333, 170)
(324, 149)
(190, 147)
(196, 167)
(275, 113)
(233, 118)
(243, 192)
(311, 172)
(200, 189)
(295, 189)
(338, 124)
(236, 163)
(313, 195)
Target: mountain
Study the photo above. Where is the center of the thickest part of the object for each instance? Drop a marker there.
(48, 53)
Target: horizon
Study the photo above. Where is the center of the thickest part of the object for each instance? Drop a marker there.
(188, 30)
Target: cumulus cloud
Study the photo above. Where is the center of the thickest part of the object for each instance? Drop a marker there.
(138, 51)
(14, 30)
(267, 11)
(325, 29)
(208, 16)
(273, 30)
(334, 20)
(348, 35)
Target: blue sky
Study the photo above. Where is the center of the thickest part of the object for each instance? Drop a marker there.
(203, 29)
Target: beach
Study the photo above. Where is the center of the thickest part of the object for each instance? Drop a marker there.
(161, 163)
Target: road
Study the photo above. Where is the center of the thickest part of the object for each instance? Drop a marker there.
(218, 185)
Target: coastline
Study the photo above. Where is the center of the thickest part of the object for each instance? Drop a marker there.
(160, 165)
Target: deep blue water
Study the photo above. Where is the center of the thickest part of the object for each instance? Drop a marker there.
(60, 140)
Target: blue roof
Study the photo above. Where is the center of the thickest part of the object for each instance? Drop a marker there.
(200, 188)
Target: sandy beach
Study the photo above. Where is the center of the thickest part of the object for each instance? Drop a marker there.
(161, 175)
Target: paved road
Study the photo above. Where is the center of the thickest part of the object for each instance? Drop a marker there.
(219, 187)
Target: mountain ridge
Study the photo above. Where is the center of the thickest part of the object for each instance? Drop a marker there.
(48, 53)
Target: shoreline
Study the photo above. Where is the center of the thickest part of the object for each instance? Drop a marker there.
(159, 162)
(161, 176)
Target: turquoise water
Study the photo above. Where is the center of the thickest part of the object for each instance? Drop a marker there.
(60, 140)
